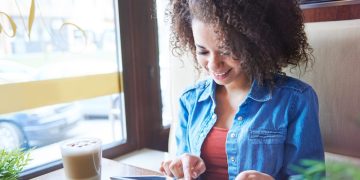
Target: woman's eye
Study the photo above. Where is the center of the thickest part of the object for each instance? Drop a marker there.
(201, 52)
(225, 53)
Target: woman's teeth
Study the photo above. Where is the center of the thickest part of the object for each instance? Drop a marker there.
(221, 74)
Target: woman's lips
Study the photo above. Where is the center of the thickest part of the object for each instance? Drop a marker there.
(221, 75)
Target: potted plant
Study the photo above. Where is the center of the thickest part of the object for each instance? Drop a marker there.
(334, 170)
(12, 162)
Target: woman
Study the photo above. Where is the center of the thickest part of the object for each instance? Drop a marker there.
(248, 120)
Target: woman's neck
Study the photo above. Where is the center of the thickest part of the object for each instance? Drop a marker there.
(233, 94)
(241, 86)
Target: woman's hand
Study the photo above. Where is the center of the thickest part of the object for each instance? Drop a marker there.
(253, 175)
(186, 166)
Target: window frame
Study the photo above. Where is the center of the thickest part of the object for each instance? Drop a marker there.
(141, 83)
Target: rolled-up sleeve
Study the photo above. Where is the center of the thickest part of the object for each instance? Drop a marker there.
(181, 135)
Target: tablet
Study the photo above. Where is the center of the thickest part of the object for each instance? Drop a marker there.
(140, 178)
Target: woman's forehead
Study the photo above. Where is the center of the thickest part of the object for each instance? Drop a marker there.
(205, 35)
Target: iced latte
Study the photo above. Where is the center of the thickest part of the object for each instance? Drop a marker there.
(82, 158)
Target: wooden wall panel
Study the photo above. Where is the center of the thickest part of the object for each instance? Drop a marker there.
(332, 13)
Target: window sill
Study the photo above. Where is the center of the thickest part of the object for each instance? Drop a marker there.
(144, 158)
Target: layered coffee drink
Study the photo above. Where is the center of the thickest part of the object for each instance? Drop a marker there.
(82, 158)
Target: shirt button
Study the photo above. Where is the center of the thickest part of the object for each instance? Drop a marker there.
(232, 159)
(240, 118)
(232, 135)
(202, 134)
(213, 116)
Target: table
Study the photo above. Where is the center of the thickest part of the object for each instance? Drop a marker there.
(109, 168)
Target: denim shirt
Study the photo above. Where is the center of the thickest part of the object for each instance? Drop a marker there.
(272, 129)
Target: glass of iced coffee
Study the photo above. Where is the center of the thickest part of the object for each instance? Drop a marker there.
(82, 158)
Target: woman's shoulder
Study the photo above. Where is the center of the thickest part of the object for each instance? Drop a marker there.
(196, 89)
(291, 84)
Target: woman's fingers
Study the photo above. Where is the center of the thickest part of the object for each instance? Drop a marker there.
(161, 169)
(251, 175)
(186, 162)
(187, 166)
(192, 165)
(198, 169)
(165, 168)
(176, 168)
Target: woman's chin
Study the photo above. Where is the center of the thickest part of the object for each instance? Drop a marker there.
(222, 82)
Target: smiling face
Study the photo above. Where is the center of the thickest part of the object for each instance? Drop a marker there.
(218, 63)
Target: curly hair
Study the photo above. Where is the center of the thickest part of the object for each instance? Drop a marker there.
(265, 35)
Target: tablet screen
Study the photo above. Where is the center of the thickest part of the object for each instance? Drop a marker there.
(140, 178)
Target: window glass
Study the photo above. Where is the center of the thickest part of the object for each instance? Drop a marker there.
(164, 62)
(60, 74)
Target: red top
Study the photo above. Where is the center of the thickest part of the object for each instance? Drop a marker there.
(213, 153)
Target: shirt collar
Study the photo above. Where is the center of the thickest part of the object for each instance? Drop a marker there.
(260, 93)
(257, 92)
(209, 91)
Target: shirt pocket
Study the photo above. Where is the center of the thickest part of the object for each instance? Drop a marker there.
(266, 136)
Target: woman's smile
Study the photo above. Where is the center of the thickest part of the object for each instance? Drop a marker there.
(221, 75)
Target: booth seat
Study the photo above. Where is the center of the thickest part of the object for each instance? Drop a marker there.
(335, 77)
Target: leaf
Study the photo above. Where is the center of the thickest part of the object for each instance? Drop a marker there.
(12, 162)
(310, 162)
(77, 27)
(12, 23)
(297, 169)
(315, 169)
(31, 16)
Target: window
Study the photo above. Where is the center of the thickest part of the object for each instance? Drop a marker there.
(70, 68)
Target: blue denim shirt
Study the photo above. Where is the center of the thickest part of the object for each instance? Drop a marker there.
(272, 129)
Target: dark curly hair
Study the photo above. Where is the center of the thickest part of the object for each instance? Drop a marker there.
(265, 35)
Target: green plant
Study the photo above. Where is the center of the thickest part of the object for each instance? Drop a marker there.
(12, 162)
(315, 170)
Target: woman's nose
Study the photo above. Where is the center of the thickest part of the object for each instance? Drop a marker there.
(215, 61)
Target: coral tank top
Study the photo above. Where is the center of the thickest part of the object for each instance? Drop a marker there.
(213, 153)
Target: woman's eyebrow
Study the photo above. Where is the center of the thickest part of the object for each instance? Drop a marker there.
(199, 46)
